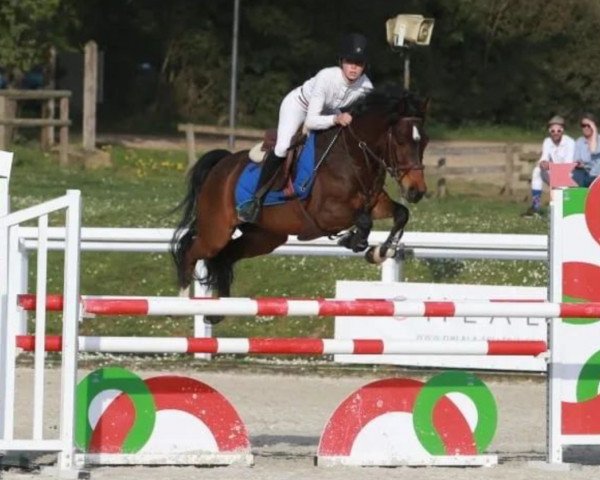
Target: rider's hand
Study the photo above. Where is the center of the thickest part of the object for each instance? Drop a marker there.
(343, 119)
(545, 165)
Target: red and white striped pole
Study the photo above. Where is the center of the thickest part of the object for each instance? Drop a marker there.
(296, 346)
(94, 305)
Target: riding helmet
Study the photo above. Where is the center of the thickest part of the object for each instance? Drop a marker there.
(353, 48)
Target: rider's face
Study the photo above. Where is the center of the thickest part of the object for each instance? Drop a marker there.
(352, 69)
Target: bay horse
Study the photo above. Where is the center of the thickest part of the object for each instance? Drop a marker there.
(386, 136)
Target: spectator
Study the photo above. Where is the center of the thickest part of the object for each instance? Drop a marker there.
(557, 148)
(587, 152)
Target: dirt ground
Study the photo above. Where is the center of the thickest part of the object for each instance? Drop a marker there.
(286, 413)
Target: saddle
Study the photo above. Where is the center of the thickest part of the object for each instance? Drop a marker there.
(284, 176)
(293, 181)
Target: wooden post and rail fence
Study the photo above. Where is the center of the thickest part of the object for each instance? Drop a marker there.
(190, 130)
(515, 168)
(9, 120)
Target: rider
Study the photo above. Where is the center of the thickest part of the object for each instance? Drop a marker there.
(317, 103)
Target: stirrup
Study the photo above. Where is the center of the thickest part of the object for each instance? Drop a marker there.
(248, 212)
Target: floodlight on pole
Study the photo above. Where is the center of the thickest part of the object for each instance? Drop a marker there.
(403, 31)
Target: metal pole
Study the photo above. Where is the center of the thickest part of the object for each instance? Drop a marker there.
(234, 58)
(406, 68)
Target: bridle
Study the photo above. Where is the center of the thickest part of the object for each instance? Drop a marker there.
(389, 161)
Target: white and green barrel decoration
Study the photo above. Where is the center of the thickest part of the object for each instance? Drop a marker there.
(405, 421)
(118, 412)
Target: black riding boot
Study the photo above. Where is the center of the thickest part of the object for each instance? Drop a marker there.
(249, 211)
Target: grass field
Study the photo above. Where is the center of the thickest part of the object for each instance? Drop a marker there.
(143, 186)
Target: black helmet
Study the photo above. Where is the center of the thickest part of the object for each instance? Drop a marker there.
(353, 48)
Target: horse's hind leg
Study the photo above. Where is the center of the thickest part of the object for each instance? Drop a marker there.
(253, 242)
(385, 208)
(205, 244)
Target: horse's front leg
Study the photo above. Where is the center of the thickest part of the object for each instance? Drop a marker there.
(357, 238)
(385, 208)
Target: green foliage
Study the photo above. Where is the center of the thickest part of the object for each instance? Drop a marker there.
(28, 28)
(511, 62)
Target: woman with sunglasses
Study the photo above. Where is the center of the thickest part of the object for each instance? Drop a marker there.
(557, 148)
(587, 152)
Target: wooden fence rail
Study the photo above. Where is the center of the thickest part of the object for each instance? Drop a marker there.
(191, 129)
(515, 169)
(9, 120)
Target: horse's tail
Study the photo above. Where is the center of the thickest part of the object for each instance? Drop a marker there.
(185, 231)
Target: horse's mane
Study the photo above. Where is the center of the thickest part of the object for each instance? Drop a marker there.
(390, 100)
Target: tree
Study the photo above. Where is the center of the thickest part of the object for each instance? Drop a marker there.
(28, 28)
(512, 61)
(494, 61)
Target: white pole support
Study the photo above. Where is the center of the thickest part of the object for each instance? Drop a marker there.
(390, 271)
(6, 159)
(70, 331)
(201, 328)
(40, 329)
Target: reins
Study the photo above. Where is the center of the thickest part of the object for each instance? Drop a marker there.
(391, 167)
(321, 160)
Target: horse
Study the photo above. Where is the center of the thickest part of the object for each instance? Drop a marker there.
(386, 135)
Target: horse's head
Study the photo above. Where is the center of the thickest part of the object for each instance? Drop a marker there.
(394, 125)
(407, 141)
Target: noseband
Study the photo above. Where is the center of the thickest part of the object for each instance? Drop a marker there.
(390, 159)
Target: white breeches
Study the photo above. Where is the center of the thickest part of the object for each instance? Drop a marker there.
(538, 178)
(291, 117)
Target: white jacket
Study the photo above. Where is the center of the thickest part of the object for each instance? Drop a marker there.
(564, 152)
(324, 95)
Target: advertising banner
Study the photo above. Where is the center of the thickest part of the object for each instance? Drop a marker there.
(442, 329)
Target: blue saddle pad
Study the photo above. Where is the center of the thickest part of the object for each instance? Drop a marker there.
(246, 185)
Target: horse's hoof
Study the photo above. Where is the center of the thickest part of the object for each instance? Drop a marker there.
(346, 240)
(377, 255)
(360, 245)
(213, 319)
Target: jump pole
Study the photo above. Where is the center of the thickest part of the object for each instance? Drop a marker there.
(161, 306)
(289, 346)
